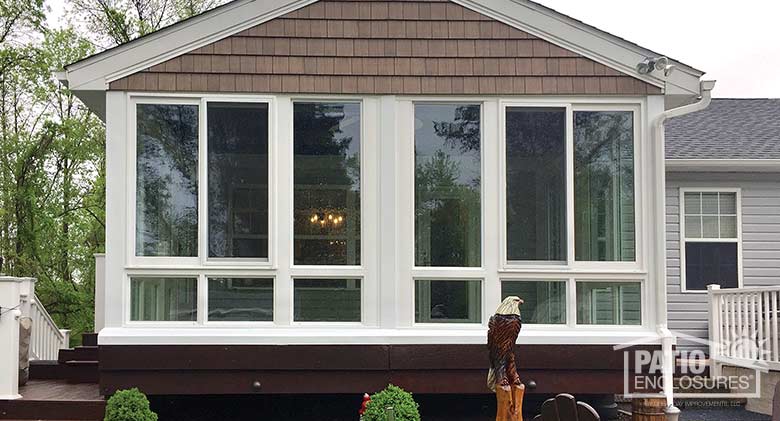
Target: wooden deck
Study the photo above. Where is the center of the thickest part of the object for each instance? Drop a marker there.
(55, 400)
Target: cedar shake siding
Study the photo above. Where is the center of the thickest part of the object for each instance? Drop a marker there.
(379, 47)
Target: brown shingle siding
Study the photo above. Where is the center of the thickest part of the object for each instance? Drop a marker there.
(384, 47)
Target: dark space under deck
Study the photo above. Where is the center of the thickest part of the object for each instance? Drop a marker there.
(348, 369)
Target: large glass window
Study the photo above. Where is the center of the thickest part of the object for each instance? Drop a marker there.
(164, 299)
(536, 184)
(711, 240)
(544, 302)
(238, 179)
(609, 303)
(327, 300)
(447, 221)
(166, 180)
(604, 186)
(241, 299)
(327, 183)
(458, 301)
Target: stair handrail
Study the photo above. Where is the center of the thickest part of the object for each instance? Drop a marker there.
(47, 339)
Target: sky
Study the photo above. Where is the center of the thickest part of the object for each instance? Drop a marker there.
(736, 43)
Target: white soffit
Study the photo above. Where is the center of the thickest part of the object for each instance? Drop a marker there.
(94, 73)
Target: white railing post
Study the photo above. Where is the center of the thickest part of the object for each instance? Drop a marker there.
(9, 337)
(100, 291)
(714, 313)
(26, 293)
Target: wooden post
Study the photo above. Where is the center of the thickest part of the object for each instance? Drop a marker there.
(648, 409)
(510, 403)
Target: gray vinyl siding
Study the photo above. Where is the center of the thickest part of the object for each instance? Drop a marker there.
(760, 241)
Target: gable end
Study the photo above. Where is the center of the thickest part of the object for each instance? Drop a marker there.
(383, 47)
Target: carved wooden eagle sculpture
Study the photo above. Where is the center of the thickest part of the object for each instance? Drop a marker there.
(503, 328)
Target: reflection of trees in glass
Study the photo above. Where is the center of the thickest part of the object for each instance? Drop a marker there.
(238, 179)
(167, 180)
(327, 183)
(536, 183)
(604, 186)
(447, 185)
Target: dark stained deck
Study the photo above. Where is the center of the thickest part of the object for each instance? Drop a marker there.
(55, 400)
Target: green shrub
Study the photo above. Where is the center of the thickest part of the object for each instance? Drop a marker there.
(404, 406)
(129, 405)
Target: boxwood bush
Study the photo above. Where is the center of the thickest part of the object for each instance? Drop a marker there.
(404, 406)
(129, 405)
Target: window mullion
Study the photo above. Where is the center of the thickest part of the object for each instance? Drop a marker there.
(570, 217)
(203, 219)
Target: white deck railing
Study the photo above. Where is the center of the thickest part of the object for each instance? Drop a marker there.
(743, 325)
(46, 338)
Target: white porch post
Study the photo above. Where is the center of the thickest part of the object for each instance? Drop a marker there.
(714, 328)
(9, 337)
(100, 291)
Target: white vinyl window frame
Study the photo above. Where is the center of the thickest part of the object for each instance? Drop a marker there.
(202, 259)
(203, 188)
(409, 272)
(367, 270)
(683, 238)
(127, 303)
(640, 188)
(567, 310)
(203, 300)
(644, 320)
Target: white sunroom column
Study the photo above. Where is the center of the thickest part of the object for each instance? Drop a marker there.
(116, 207)
(100, 291)
(388, 218)
(9, 337)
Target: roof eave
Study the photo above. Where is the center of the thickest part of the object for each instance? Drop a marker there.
(95, 73)
(722, 165)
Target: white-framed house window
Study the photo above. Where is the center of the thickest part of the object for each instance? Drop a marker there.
(446, 169)
(569, 174)
(328, 257)
(710, 238)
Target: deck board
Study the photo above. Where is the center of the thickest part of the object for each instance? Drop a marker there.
(55, 400)
(59, 390)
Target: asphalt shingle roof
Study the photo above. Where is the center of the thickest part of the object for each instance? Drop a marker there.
(727, 129)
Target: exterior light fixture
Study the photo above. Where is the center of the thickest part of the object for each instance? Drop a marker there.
(650, 64)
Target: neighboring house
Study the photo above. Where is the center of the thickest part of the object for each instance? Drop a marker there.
(722, 205)
(324, 197)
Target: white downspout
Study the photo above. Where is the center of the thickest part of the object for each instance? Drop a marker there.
(667, 338)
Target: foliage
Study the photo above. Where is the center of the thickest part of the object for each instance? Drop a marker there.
(52, 171)
(113, 22)
(404, 406)
(129, 405)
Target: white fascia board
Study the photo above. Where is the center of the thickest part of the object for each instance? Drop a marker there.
(95, 73)
(588, 41)
(723, 165)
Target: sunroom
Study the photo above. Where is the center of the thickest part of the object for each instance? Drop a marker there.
(357, 185)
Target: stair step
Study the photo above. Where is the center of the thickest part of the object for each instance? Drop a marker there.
(82, 371)
(89, 339)
(46, 370)
(79, 353)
